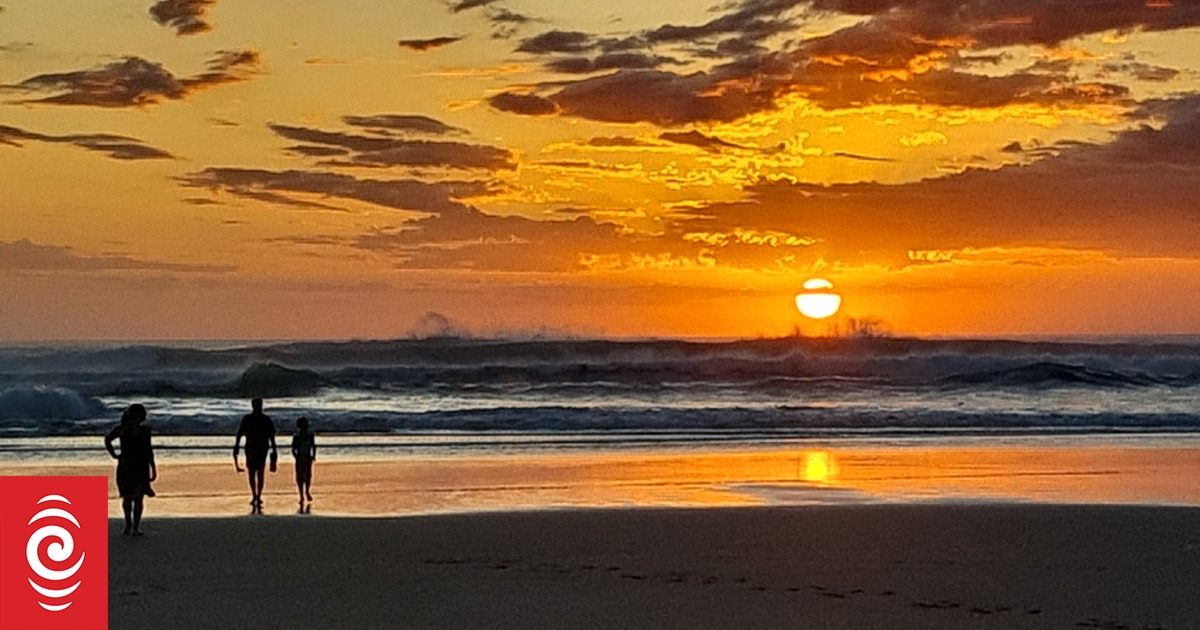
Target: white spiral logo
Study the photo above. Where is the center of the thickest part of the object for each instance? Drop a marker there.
(59, 551)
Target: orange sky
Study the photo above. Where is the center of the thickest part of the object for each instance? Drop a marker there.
(209, 169)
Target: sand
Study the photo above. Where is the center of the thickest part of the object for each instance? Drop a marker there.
(861, 566)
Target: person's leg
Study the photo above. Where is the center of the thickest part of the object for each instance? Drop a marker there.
(259, 478)
(137, 516)
(250, 479)
(300, 489)
(127, 506)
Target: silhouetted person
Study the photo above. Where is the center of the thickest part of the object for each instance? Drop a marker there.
(260, 439)
(135, 465)
(304, 449)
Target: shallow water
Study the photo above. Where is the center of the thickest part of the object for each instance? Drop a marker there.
(377, 475)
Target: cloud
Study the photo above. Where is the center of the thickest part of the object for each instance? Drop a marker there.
(402, 123)
(185, 16)
(15, 47)
(463, 5)
(753, 19)
(466, 238)
(1140, 71)
(702, 141)
(863, 158)
(384, 151)
(422, 45)
(24, 255)
(613, 142)
(524, 104)
(500, 15)
(557, 42)
(136, 82)
(116, 147)
(607, 61)
(1132, 197)
(402, 194)
(451, 236)
(907, 52)
(997, 23)
(663, 98)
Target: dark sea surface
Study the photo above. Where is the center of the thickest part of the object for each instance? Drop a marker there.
(656, 390)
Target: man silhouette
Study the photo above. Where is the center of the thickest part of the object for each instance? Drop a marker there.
(260, 435)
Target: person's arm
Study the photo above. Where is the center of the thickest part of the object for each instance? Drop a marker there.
(237, 445)
(150, 450)
(295, 448)
(108, 440)
(313, 441)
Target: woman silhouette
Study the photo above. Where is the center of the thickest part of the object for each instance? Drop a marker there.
(135, 465)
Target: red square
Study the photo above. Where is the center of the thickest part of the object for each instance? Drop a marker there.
(53, 553)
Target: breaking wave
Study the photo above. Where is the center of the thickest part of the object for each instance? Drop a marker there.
(606, 385)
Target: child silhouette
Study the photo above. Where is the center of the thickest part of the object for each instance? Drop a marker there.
(304, 449)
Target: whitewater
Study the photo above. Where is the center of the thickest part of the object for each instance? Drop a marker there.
(658, 391)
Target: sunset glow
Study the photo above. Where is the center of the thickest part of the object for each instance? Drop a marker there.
(223, 170)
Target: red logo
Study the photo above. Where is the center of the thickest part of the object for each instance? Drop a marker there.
(54, 553)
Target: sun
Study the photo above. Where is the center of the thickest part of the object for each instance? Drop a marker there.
(818, 300)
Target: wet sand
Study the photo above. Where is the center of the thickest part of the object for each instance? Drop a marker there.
(858, 566)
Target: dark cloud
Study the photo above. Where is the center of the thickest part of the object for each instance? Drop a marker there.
(696, 139)
(136, 82)
(185, 16)
(24, 255)
(463, 5)
(506, 23)
(617, 142)
(116, 147)
(586, 165)
(382, 151)
(309, 150)
(997, 23)
(917, 52)
(422, 45)
(403, 194)
(500, 15)
(451, 236)
(524, 104)
(466, 238)
(1140, 71)
(862, 158)
(15, 47)
(284, 200)
(663, 98)
(607, 61)
(402, 123)
(753, 19)
(557, 42)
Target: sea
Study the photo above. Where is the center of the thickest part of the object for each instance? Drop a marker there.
(447, 397)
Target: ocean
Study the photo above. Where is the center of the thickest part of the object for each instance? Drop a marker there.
(659, 391)
(455, 424)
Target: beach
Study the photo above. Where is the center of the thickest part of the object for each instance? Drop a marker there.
(862, 566)
(918, 536)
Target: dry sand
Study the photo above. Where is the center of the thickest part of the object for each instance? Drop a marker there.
(865, 566)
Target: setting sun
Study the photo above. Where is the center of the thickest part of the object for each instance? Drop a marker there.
(818, 300)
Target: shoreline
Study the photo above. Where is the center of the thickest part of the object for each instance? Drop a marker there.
(855, 566)
(756, 475)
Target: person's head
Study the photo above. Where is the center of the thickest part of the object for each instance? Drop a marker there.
(256, 404)
(302, 423)
(133, 415)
